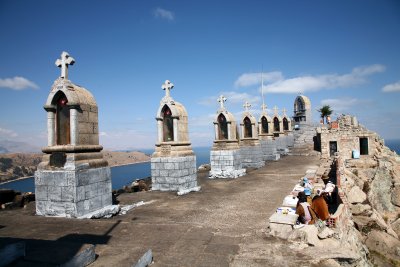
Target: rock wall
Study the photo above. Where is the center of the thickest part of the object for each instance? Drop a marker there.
(371, 185)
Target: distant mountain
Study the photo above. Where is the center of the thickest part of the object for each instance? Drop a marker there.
(8, 146)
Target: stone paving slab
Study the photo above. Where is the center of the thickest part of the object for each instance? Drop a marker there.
(222, 225)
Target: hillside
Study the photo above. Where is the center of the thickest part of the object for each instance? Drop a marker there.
(17, 165)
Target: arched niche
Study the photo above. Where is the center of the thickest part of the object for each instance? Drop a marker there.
(248, 129)
(167, 124)
(63, 136)
(299, 105)
(222, 127)
(264, 125)
(277, 127)
(285, 124)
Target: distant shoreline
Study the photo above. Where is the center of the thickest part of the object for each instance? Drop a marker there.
(27, 177)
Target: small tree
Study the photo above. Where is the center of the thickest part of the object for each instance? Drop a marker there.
(325, 112)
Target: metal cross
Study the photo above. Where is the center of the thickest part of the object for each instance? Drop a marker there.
(167, 86)
(284, 111)
(221, 101)
(63, 63)
(275, 110)
(264, 107)
(246, 106)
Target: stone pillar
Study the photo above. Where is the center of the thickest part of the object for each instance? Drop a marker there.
(216, 131)
(175, 120)
(74, 126)
(253, 129)
(242, 131)
(160, 130)
(229, 131)
(51, 127)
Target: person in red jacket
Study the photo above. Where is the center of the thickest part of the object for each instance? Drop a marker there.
(320, 207)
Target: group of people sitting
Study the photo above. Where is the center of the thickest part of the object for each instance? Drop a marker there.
(311, 209)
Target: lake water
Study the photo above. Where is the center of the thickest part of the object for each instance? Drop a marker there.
(124, 175)
(121, 175)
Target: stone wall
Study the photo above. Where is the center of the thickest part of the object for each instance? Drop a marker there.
(268, 148)
(226, 164)
(251, 153)
(173, 173)
(88, 125)
(347, 140)
(72, 193)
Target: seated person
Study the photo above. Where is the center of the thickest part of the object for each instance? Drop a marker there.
(302, 209)
(320, 207)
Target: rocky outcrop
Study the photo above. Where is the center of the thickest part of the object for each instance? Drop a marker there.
(372, 187)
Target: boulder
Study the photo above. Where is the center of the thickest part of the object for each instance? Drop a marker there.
(280, 230)
(361, 209)
(307, 234)
(384, 245)
(326, 233)
(380, 193)
(396, 226)
(396, 195)
(356, 195)
(326, 263)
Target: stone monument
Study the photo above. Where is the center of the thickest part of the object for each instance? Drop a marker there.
(266, 136)
(279, 134)
(250, 147)
(173, 164)
(73, 178)
(302, 110)
(287, 129)
(225, 156)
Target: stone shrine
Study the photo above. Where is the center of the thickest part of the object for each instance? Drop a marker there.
(173, 164)
(302, 110)
(287, 129)
(266, 136)
(73, 178)
(279, 133)
(250, 147)
(225, 159)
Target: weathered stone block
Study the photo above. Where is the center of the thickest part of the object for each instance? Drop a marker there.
(356, 195)
(54, 193)
(41, 192)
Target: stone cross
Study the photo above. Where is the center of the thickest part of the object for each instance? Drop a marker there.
(284, 111)
(264, 107)
(63, 63)
(221, 101)
(167, 86)
(275, 110)
(246, 106)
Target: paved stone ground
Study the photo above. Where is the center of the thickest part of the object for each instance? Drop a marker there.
(223, 225)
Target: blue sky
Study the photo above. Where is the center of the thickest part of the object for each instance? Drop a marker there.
(342, 53)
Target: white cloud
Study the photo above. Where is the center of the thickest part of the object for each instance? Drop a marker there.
(249, 79)
(343, 104)
(164, 14)
(17, 83)
(309, 83)
(393, 87)
(7, 133)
